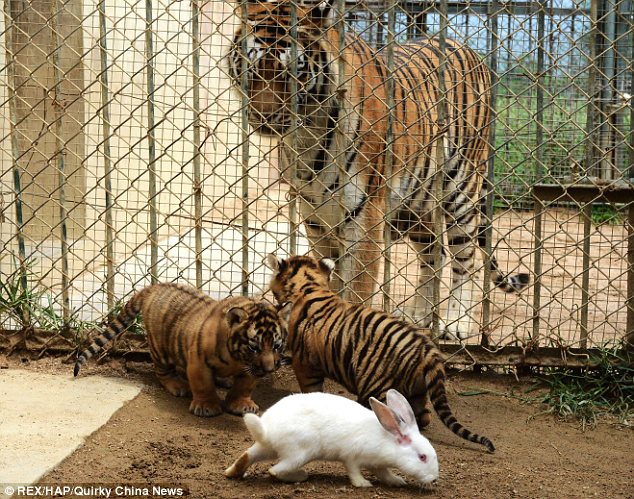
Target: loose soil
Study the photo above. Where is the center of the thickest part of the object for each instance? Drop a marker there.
(155, 440)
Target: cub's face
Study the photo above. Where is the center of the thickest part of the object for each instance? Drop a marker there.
(257, 338)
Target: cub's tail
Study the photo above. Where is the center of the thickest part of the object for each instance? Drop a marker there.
(435, 381)
(127, 315)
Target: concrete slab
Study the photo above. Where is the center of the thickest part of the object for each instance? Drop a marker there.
(45, 417)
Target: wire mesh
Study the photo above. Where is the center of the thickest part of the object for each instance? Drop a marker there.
(130, 155)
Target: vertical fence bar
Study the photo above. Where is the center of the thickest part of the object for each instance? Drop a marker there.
(610, 125)
(389, 159)
(149, 68)
(340, 159)
(438, 181)
(492, 15)
(629, 334)
(591, 152)
(60, 153)
(15, 145)
(245, 149)
(539, 170)
(197, 181)
(630, 27)
(105, 129)
(585, 276)
(292, 205)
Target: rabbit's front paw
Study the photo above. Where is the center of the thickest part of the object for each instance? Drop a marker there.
(240, 406)
(360, 482)
(291, 476)
(204, 408)
(388, 478)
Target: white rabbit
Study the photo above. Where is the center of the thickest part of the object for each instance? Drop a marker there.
(308, 426)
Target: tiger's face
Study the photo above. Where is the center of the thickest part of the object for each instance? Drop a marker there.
(261, 61)
(296, 275)
(257, 338)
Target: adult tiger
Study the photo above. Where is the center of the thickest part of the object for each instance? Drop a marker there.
(344, 126)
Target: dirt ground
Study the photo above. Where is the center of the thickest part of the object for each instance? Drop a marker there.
(155, 440)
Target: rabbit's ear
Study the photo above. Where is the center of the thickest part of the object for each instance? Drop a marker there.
(388, 420)
(401, 407)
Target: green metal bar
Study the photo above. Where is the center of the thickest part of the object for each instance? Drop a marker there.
(490, 175)
(60, 154)
(340, 6)
(438, 181)
(585, 276)
(389, 160)
(152, 200)
(244, 123)
(292, 204)
(107, 161)
(15, 145)
(197, 180)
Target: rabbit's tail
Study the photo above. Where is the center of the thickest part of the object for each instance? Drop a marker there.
(255, 427)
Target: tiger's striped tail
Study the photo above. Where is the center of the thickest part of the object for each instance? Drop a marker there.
(119, 324)
(435, 381)
(507, 283)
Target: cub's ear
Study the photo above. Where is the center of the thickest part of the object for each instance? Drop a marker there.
(327, 266)
(236, 315)
(275, 263)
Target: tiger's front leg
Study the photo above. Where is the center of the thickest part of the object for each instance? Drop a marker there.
(238, 401)
(205, 400)
(358, 265)
(459, 322)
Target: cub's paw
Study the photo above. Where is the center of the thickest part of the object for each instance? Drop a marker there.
(241, 406)
(424, 418)
(176, 386)
(205, 409)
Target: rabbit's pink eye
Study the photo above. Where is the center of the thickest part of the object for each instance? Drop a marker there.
(423, 457)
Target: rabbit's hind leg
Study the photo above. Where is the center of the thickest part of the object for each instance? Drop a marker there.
(257, 452)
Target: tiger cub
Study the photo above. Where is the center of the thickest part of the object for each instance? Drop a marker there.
(366, 350)
(194, 339)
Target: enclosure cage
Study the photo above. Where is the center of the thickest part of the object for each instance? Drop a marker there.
(127, 158)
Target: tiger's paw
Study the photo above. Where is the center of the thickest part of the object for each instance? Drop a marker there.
(176, 386)
(455, 330)
(224, 382)
(241, 405)
(205, 409)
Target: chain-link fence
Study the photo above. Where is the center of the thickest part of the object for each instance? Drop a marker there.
(129, 156)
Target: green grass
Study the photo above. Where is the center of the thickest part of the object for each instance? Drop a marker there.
(30, 306)
(607, 388)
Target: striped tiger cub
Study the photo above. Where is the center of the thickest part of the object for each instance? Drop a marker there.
(194, 339)
(339, 149)
(366, 350)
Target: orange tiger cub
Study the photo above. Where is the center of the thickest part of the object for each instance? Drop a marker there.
(194, 339)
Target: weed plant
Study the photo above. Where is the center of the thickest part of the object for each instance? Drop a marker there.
(605, 388)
